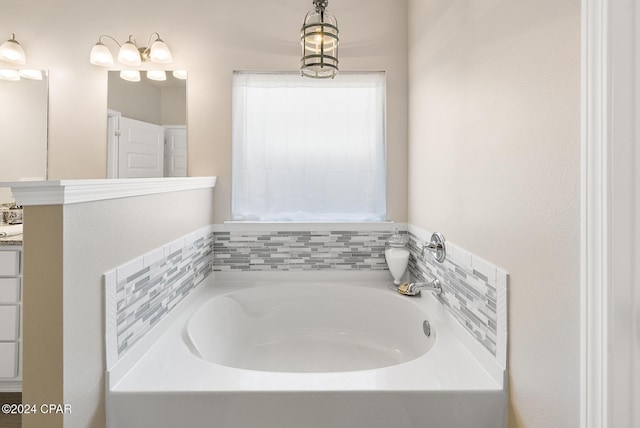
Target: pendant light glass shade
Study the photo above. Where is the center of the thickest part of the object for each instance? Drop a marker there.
(319, 39)
(130, 75)
(129, 54)
(160, 52)
(100, 55)
(11, 51)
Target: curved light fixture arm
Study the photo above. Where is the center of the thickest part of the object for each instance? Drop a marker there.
(151, 37)
(106, 35)
(145, 51)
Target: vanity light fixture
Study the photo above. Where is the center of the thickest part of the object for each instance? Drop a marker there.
(129, 53)
(11, 51)
(319, 40)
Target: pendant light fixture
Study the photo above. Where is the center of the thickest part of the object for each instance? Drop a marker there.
(319, 40)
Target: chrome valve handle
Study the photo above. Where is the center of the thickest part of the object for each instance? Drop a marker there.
(436, 246)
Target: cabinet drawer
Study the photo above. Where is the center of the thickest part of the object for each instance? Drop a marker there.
(9, 263)
(9, 290)
(8, 359)
(9, 318)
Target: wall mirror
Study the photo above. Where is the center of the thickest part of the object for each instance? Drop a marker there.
(23, 124)
(147, 124)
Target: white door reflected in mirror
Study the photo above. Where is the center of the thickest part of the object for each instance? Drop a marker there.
(147, 127)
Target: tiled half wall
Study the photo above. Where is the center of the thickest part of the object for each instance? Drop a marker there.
(474, 290)
(142, 291)
(139, 293)
(299, 250)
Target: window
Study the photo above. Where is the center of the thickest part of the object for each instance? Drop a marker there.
(308, 150)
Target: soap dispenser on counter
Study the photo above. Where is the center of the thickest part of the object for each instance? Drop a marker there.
(397, 255)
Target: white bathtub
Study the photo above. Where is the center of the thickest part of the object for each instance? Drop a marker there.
(308, 328)
(291, 351)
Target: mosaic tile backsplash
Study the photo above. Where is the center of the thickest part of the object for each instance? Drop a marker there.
(474, 290)
(285, 250)
(141, 292)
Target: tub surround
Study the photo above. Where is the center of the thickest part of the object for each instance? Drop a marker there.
(139, 293)
(489, 375)
(152, 387)
(473, 289)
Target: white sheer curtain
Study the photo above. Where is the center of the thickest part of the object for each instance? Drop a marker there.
(308, 150)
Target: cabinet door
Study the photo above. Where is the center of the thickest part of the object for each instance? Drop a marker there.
(9, 322)
(8, 359)
(9, 263)
(9, 290)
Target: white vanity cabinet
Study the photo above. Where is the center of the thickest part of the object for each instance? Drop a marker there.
(10, 317)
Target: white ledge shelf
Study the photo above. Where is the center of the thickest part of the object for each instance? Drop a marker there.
(63, 192)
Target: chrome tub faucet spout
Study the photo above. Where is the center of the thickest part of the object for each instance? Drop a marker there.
(414, 288)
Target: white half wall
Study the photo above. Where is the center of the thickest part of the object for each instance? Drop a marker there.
(62, 310)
